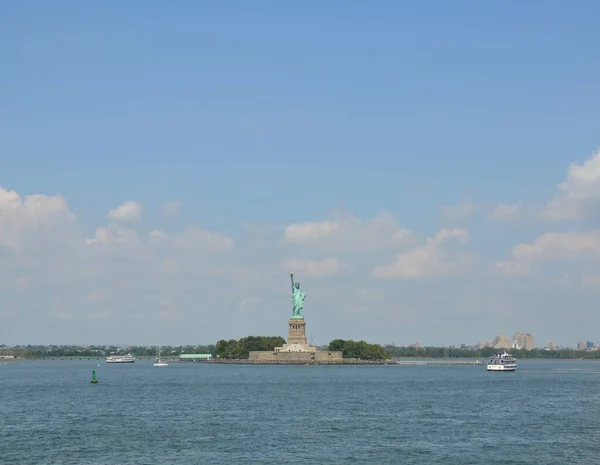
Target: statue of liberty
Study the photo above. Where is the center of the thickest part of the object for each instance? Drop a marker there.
(298, 296)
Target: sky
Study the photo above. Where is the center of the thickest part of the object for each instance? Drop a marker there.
(430, 171)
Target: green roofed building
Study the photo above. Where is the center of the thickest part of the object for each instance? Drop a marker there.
(195, 357)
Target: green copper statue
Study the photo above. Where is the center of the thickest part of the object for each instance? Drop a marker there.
(298, 296)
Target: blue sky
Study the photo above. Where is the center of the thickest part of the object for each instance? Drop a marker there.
(255, 116)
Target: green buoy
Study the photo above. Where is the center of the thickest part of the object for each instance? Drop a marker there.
(94, 379)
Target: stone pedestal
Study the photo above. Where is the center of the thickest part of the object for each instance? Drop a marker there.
(297, 331)
(297, 349)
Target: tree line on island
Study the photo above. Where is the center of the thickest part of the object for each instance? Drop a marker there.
(240, 348)
(486, 352)
(100, 351)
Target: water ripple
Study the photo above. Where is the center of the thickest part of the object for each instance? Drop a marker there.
(211, 414)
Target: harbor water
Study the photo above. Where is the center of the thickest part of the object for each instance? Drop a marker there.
(548, 412)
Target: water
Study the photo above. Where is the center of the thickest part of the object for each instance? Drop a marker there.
(545, 413)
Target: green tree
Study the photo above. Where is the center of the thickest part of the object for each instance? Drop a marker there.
(358, 349)
(240, 349)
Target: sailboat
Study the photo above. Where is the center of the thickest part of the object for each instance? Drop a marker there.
(158, 362)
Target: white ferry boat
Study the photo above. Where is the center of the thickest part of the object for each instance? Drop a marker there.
(120, 359)
(502, 362)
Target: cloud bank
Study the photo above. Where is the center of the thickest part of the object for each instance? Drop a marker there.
(142, 280)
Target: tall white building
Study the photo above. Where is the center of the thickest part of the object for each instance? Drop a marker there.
(525, 341)
(501, 342)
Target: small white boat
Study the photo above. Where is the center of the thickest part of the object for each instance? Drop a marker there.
(158, 362)
(502, 362)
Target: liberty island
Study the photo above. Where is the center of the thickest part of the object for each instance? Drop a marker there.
(297, 348)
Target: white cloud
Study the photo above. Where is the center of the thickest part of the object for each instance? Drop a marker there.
(504, 212)
(43, 247)
(550, 246)
(349, 233)
(459, 212)
(114, 234)
(561, 245)
(32, 217)
(190, 239)
(171, 208)
(128, 211)
(513, 268)
(325, 267)
(433, 258)
(156, 236)
(311, 231)
(153, 283)
(579, 194)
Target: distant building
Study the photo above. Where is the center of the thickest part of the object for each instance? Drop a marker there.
(525, 341)
(501, 342)
(582, 345)
(552, 346)
(589, 345)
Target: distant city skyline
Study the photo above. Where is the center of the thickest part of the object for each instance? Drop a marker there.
(430, 173)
